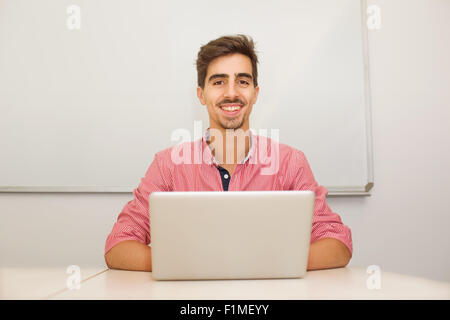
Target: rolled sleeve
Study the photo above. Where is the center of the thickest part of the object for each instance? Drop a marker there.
(326, 223)
(133, 222)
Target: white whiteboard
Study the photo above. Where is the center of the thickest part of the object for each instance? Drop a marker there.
(85, 110)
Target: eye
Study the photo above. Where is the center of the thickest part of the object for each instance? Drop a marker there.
(215, 83)
(243, 82)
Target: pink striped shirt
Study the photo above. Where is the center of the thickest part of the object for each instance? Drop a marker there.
(293, 173)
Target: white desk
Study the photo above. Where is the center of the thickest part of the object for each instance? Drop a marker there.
(38, 283)
(342, 283)
(100, 283)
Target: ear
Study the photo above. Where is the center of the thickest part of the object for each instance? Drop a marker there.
(256, 94)
(200, 95)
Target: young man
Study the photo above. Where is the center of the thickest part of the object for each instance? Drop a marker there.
(227, 85)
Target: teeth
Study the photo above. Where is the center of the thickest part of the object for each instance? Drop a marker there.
(230, 108)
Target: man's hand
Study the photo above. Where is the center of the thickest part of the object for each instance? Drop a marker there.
(130, 255)
(328, 253)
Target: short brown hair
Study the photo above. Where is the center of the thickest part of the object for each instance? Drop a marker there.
(223, 46)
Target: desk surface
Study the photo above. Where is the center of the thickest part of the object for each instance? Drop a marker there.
(342, 283)
(98, 283)
(38, 283)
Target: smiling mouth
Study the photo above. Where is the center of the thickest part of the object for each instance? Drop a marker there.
(231, 109)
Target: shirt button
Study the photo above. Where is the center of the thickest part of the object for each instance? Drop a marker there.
(225, 176)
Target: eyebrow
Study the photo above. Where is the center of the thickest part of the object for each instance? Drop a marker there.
(224, 75)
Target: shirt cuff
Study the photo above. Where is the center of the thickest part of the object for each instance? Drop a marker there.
(122, 233)
(333, 230)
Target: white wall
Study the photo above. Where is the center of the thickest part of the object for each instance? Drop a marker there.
(402, 227)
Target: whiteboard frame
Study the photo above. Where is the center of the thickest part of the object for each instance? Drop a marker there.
(332, 190)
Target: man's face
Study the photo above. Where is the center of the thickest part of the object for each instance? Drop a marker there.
(229, 93)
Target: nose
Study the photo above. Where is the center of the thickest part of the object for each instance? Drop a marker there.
(231, 91)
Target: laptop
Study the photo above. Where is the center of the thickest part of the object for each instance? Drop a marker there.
(230, 235)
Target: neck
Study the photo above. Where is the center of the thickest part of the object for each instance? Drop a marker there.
(229, 146)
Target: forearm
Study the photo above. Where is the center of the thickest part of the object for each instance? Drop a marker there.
(328, 253)
(133, 255)
(130, 255)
